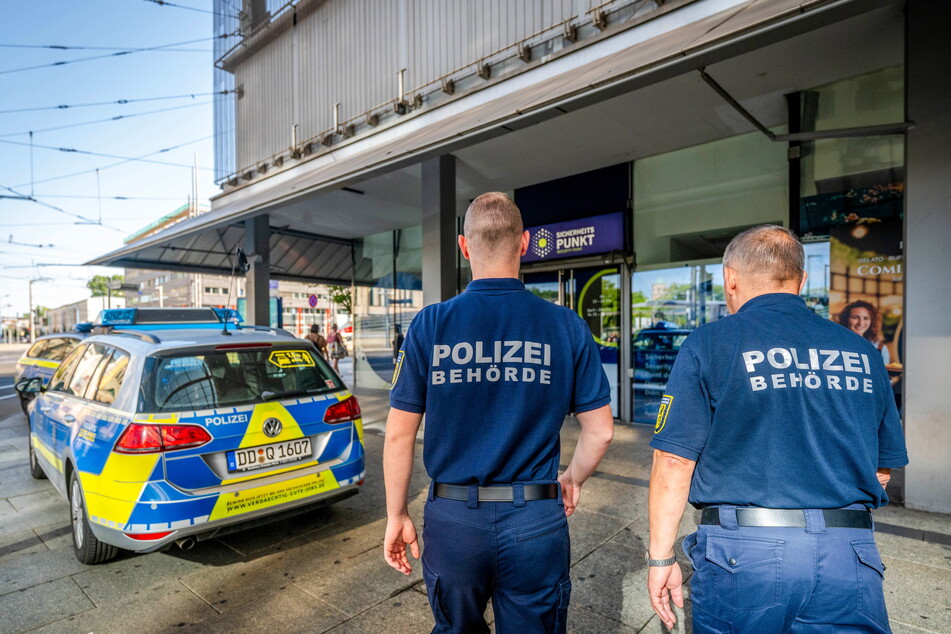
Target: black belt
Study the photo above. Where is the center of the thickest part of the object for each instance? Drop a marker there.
(497, 494)
(834, 518)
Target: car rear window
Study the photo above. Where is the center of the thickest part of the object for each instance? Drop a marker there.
(224, 378)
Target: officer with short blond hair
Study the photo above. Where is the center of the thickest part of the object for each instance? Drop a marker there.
(495, 370)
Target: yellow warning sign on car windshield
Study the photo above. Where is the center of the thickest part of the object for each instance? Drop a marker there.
(291, 359)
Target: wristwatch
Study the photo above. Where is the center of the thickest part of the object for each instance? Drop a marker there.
(659, 563)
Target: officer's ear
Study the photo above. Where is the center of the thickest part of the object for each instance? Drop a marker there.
(729, 281)
(802, 284)
(464, 247)
(523, 245)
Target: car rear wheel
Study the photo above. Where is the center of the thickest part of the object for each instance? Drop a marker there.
(35, 469)
(88, 549)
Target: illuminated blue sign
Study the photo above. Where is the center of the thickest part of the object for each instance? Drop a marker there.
(574, 238)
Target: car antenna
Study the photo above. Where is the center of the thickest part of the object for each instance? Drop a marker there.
(240, 261)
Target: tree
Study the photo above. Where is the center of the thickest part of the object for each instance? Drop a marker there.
(99, 284)
(341, 296)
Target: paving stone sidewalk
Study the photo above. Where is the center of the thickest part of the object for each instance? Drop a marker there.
(324, 572)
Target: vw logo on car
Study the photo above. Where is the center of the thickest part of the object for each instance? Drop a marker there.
(272, 427)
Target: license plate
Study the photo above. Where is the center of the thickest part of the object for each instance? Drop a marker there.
(269, 455)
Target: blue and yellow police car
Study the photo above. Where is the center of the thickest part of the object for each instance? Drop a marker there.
(45, 355)
(168, 425)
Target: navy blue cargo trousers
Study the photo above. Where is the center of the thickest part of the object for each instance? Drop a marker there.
(783, 579)
(515, 553)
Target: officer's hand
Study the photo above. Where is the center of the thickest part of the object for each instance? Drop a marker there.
(663, 583)
(570, 492)
(400, 533)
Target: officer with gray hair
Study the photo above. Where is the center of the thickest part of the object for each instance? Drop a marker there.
(782, 427)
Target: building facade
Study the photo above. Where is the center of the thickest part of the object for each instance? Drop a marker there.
(637, 136)
(64, 318)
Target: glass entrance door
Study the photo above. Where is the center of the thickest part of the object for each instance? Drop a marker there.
(595, 294)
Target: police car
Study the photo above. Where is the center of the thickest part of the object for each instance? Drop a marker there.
(45, 355)
(655, 350)
(167, 425)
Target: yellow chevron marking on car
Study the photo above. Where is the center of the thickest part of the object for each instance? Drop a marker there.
(112, 495)
(46, 452)
(239, 502)
(42, 363)
(255, 435)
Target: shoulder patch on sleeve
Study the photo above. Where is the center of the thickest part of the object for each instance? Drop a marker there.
(662, 411)
(396, 372)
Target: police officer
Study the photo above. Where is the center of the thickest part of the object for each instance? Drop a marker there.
(495, 369)
(782, 427)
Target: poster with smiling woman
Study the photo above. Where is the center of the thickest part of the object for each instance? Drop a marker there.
(866, 284)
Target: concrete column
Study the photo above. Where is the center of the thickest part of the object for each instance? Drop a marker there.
(439, 229)
(927, 321)
(257, 246)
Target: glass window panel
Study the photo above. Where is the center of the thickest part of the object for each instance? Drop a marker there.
(389, 295)
(666, 305)
(111, 378)
(85, 369)
(37, 349)
(61, 377)
(713, 191)
(59, 348)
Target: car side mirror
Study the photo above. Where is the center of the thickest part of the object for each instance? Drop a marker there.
(29, 386)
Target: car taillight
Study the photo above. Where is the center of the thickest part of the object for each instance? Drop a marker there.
(343, 412)
(184, 436)
(147, 536)
(142, 438)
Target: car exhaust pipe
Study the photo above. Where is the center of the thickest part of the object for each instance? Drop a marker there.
(186, 543)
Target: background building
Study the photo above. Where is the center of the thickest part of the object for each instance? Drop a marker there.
(64, 318)
(358, 132)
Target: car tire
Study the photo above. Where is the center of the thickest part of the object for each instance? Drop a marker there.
(35, 469)
(88, 549)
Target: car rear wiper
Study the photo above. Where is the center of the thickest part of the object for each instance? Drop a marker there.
(268, 395)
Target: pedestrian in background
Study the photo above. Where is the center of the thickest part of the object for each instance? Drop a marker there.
(317, 339)
(338, 350)
(782, 427)
(495, 370)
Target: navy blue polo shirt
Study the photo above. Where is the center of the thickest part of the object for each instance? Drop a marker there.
(781, 408)
(496, 369)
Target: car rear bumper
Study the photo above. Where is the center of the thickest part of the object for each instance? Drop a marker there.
(208, 529)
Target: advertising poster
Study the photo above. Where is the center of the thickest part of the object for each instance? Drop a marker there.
(866, 285)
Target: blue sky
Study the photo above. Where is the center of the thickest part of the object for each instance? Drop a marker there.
(155, 189)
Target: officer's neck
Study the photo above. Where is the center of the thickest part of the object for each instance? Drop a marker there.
(493, 270)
